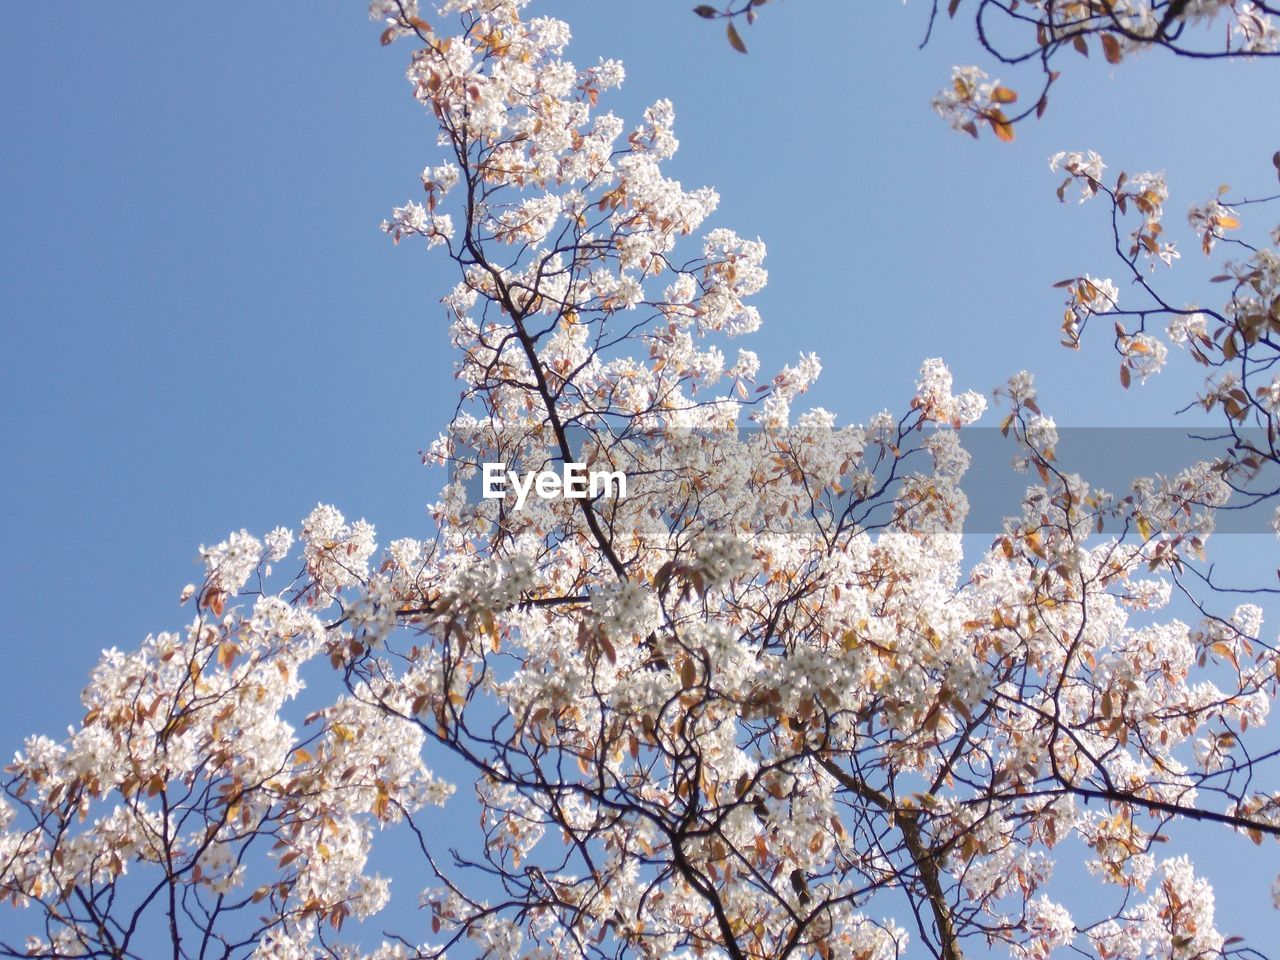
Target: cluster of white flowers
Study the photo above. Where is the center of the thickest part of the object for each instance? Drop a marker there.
(278, 544)
(968, 98)
(1144, 354)
(1256, 29)
(1097, 295)
(1042, 434)
(1185, 328)
(627, 610)
(440, 179)
(1209, 219)
(722, 558)
(489, 585)
(934, 396)
(787, 384)
(229, 565)
(413, 220)
(1176, 923)
(336, 553)
(1084, 166)
(1049, 925)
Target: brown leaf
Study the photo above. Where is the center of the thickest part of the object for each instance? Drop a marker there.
(607, 647)
(1003, 128)
(215, 600)
(688, 675)
(1111, 48)
(735, 38)
(662, 579)
(797, 879)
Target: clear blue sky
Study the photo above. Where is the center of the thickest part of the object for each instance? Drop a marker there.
(204, 330)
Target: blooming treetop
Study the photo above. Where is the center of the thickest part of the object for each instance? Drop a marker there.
(760, 707)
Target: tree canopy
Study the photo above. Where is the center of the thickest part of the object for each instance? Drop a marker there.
(763, 705)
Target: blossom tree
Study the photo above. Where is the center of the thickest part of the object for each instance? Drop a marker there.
(761, 706)
(1037, 33)
(1236, 342)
